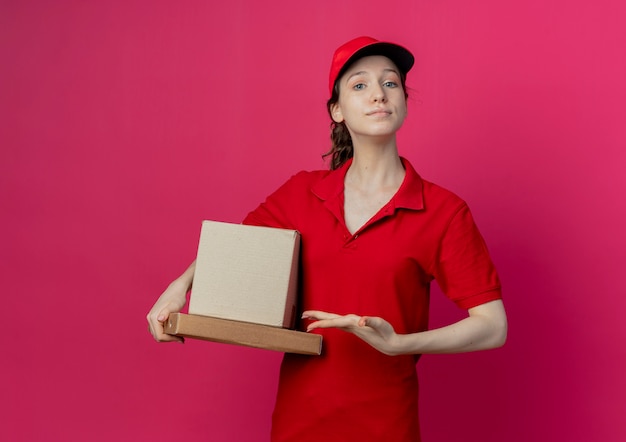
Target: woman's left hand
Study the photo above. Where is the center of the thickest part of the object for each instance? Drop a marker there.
(374, 330)
(484, 328)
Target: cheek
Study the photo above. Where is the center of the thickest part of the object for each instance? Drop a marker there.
(402, 110)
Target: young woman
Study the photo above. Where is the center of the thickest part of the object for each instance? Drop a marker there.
(374, 236)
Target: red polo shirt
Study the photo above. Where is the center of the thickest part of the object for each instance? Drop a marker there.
(352, 391)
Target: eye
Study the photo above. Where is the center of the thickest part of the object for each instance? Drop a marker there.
(390, 84)
(359, 86)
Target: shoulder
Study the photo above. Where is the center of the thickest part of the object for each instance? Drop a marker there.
(434, 194)
(307, 181)
(447, 207)
(304, 177)
(432, 197)
(281, 207)
(297, 186)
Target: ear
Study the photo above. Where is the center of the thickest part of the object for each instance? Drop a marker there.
(335, 112)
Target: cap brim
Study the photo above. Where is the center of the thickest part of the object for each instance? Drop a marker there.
(396, 53)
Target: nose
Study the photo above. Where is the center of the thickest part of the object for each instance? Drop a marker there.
(378, 94)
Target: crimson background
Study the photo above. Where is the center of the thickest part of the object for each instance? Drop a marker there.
(124, 124)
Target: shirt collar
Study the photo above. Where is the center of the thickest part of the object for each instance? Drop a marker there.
(409, 196)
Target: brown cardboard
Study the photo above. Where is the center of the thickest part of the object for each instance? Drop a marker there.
(246, 273)
(243, 333)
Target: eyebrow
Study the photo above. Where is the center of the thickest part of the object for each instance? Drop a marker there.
(365, 72)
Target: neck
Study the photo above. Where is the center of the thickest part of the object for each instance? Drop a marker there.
(376, 166)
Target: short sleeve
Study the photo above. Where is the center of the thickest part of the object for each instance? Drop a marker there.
(277, 209)
(464, 269)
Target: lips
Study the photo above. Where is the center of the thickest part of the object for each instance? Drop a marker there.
(379, 112)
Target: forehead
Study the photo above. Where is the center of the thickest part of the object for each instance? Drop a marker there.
(371, 63)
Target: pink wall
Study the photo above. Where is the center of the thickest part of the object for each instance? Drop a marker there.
(124, 124)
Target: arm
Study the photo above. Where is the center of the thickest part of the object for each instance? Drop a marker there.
(172, 300)
(484, 328)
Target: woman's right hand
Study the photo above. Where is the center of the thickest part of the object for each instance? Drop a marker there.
(172, 300)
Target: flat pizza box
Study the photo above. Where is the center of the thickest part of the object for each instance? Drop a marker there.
(243, 333)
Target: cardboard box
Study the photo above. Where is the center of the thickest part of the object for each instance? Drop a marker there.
(243, 333)
(246, 273)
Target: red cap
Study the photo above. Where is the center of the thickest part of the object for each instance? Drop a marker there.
(362, 47)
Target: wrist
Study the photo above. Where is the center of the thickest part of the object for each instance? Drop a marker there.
(406, 344)
(181, 284)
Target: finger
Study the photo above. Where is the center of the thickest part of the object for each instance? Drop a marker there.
(159, 335)
(163, 315)
(165, 337)
(171, 338)
(336, 321)
(378, 325)
(152, 325)
(156, 324)
(158, 319)
(319, 315)
(371, 321)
